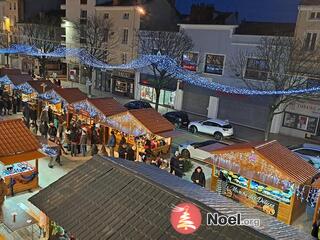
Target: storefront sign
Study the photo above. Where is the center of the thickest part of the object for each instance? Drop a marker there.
(304, 108)
(123, 74)
(252, 199)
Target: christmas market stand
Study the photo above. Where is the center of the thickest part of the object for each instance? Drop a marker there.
(266, 176)
(59, 98)
(141, 128)
(18, 146)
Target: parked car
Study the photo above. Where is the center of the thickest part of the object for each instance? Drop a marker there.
(178, 118)
(309, 152)
(137, 105)
(194, 150)
(216, 127)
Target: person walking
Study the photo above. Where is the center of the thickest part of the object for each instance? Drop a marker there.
(66, 139)
(60, 149)
(9, 105)
(83, 141)
(1, 106)
(52, 132)
(112, 143)
(44, 130)
(177, 165)
(44, 117)
(14, 105)
(198, 177)
(50, 114)
(19, 103)
(173, 161)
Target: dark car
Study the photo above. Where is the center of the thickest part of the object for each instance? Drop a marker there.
(137, 105)
(178, 118)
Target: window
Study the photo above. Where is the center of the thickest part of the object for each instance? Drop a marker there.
(256, 69)
(83, 2)
(309, 152)
(83, 14)
(166, 97)
(190, 61)
(124, 58)
(315, 16)
(211, 124)
(14, 6)
(125, 36)
(214, 64)
(106, 16)
(300, 122)
(10, 6)
(125, 16)
(310, 41)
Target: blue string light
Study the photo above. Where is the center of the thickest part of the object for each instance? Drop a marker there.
(25, 88)
(5, 80)
(162, 63)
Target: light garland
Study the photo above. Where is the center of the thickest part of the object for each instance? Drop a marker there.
(90, 109)
(5, 80)
(25, 88)
(49, 151)
(162, 63)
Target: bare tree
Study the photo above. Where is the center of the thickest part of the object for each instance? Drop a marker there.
(171, 44)
(278, 63)
(96, 36)
(42, 32)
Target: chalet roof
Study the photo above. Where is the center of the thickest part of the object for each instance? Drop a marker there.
(119, 199)
(20, 78)
(37, 85)
(152, 120)
(108, 106)
(9, 71)
(265, 28)
(71, 95)
(280, 157)
(16, 138)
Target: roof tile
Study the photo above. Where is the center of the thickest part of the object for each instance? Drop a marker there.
(108, 106)
(42, 86)
(71, 95)
(9, 71)
(19, 79)
(16, 138)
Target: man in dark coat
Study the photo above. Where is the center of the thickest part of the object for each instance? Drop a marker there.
(50, 114)
(198, 177)
(1, 106)
(130, 153)
(9, 105)
(177, 166)
(44, 130)
(52, 132)
(14, 105)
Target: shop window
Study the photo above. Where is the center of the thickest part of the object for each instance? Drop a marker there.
(125, 16)
(190, 61)
(256, 69)
(300, 122)
(214, 64)
(235, 178)
(166, 97)
(310, 41)
(273, 193)
(106, 16)
(125, 34)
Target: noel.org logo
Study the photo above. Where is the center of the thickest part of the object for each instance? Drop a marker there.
(185, 218)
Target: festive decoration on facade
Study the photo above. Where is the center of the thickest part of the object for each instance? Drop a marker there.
(25, 88)
(162, 63)
(5, 80)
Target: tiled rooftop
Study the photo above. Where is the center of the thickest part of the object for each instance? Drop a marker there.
(152, 120)
(118, 199)
(9, 71)
(16, 138)
(108, 106)
(71, 95)
(20, 79)
(38, 85)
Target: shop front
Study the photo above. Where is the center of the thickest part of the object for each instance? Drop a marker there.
(147, 92)
(301, 119)
(143, 129)
(103, 80)
(123, 83)
(265, 176)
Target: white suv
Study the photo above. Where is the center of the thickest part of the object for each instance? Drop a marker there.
(216, 127)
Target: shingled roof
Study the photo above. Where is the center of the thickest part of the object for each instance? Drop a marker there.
(71, 95)
(9, 71)
(20, 79)
(119, 199)
(108, 106)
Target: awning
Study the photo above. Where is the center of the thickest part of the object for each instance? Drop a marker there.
(8, 160)
(168, 134)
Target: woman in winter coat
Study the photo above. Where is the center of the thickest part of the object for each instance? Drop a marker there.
(198, 177)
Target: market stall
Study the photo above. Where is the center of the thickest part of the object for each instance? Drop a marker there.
(60, 98)
(10, 83)
(265, 176)
(18, 148)
(142, 127)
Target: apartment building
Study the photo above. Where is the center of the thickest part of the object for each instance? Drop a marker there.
(127, 19)
(301, 118)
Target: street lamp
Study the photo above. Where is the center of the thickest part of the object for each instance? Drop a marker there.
(141, 10)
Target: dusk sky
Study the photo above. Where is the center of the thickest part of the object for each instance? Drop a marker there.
(251, 10)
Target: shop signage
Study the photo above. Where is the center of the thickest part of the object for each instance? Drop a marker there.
(252, 199)
(305, 108)
(123, 74)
